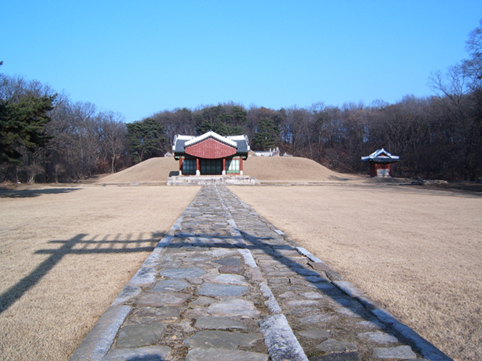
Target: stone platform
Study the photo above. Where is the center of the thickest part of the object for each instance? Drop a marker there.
(224, 284)
(203, 180)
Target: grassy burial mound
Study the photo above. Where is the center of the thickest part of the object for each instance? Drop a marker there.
(270, 169)
(265, 169)
(150, 170)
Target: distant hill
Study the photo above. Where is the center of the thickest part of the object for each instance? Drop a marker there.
(264, 169)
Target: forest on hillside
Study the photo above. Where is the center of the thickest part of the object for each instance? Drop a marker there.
(47, 137)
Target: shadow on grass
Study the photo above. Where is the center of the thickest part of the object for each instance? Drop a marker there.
(30, 193)
(77, 245)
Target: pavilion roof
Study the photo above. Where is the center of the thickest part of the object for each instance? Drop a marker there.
(381, 156)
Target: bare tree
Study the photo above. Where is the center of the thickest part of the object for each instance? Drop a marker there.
(113, 137)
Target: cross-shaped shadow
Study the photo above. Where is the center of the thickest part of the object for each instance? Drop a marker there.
(77, 245)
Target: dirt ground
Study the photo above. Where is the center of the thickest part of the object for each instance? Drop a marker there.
(65, 254)
(416, 251)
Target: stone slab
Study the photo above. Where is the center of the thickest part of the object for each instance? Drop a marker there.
(219, 323)
(343, 356)
(159, 299)
(348, 288)
(221, 340)
(171, 285)
(248, 257)
(232, 261)
(315, 334)
(150, 353)
(235, 307)
(400, 352)
(140, 335)
(312, 295)
(378, 337)
(271, 302)
(203, 301)
(98, 342)
(212, 289)
(331, 345)
(316, 318)
(155, 314)
(230, 279)
(180, 273)
(239, 270)
(127, 293)
(280, 340)
(302, 303)
(199, 354)
(144, 277)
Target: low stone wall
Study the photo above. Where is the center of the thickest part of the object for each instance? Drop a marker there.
(207, 180)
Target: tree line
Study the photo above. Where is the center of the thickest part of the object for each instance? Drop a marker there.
(46, 137)
(436, 137)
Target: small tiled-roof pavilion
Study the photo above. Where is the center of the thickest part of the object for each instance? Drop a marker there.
(380, 161)
(210, 154)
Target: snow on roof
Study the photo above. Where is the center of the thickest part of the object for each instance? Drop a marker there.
(240, 142)
(184, 137)
(237, 137)
(381, 155)
(179, 141)
(213, 135)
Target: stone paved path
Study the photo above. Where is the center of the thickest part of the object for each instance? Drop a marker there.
(224, 284)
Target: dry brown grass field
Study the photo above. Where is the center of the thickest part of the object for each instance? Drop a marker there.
(66, 252)
(415, 251)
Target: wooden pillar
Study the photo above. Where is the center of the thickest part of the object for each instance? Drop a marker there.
(224, 167)
(198, 167)
(240, 165)
(180, 165)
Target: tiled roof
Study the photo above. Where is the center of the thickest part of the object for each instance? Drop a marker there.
(240, 142)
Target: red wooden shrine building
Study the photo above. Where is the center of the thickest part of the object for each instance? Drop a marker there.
(210, 154)
(380, 161)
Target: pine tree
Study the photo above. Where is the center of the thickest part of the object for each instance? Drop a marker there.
(267, 133)
(23, 124)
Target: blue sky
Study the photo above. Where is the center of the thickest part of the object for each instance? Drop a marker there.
(141, 57)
